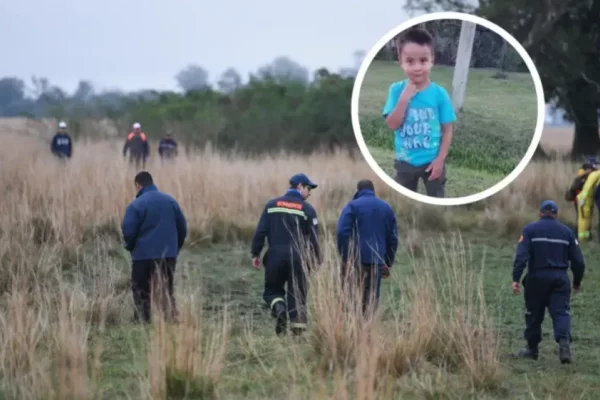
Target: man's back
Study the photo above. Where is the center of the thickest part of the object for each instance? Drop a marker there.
(285, 223)
(159, 223)
(547, 243)
(372, 224)
(167, 147)
(61, 144)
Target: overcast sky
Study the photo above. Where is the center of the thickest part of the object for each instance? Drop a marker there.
(135, 44)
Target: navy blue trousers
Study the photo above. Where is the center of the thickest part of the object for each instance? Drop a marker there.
(283, 267)
(549, 289)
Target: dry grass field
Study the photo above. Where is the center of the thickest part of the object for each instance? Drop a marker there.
(447, 327)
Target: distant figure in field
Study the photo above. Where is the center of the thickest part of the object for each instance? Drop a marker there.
(421, 114)
(154, 229)
(167, 148)
(137, 144)
(62, 145)
(585, 211)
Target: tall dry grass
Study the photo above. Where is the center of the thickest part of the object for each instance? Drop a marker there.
(61, 287)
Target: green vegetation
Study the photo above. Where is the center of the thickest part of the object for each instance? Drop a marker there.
(258, 365)
(492, 134)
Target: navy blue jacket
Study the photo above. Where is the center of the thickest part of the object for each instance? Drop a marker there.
(367, 225)
(167, 148)
(62, 145)
(154, 226)
(548, 244)
(279, 223)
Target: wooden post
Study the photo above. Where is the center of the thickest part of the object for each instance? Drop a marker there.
(463, 62)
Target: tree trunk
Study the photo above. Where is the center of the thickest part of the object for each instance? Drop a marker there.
(586, 140)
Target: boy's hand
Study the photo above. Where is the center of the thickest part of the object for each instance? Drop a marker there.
(409, 91)
(436, 168)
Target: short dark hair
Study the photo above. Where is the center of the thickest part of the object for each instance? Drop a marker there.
(414, 35)
(144, 179)
(365, 184)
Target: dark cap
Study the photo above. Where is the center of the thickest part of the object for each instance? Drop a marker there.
(549, 205)
(302, 179)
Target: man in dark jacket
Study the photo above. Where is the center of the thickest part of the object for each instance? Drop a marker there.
(547, 248)
(167, 148)
(367, 239)
(154, 229)
(62, 145)
(290, 225)
(137, 144)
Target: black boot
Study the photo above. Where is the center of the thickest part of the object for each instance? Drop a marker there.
(529, 352)
(280, 313)
(564, 351)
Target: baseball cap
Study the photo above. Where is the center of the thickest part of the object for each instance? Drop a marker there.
(62, 124)
(549, 205)
(136, 125)
(302, 179)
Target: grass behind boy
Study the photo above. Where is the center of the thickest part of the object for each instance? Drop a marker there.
(421, 114)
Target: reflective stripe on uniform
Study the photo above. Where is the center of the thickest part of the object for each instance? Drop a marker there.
(298, 325)
(549, 240)
(286, 210)
(276, 300)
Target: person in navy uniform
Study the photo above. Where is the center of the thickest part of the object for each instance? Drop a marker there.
(367, 241)
(547, 248)
(290, 226)
(167, 148)
(62, 144)
(154, 229)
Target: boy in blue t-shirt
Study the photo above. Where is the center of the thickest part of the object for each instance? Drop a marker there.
(420, 113)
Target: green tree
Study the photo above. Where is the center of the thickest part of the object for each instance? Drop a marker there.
(562, 39)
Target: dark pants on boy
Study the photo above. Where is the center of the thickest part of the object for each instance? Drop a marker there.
(365, 278)
(152, 282)
(408, 176)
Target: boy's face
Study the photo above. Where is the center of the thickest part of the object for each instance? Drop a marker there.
(416, 61)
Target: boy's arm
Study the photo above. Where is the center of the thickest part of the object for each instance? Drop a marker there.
(397, 103)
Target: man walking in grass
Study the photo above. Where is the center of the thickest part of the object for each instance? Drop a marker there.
(154, 229)
(547, 247)
(367, 240)
(290, 226)
(421, 114)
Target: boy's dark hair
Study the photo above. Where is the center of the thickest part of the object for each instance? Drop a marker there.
(414, 35)
(144, 179)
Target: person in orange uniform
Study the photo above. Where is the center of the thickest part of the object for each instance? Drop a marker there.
(137, 144)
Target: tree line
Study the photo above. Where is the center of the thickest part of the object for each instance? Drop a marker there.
(283, 107)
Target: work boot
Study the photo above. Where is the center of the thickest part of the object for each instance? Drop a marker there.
(529, 352)
(281, 316)
(297, 331)
(564, 351)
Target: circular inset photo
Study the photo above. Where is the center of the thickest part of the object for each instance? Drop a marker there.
(448, 108)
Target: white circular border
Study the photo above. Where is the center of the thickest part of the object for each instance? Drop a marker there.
(456, 201)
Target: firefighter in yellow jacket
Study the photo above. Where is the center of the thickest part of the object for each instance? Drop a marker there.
(586, 199)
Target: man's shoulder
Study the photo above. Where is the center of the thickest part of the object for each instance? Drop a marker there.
(308, 207)
(372, 201)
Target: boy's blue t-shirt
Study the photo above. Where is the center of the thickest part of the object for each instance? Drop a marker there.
(418, 140)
